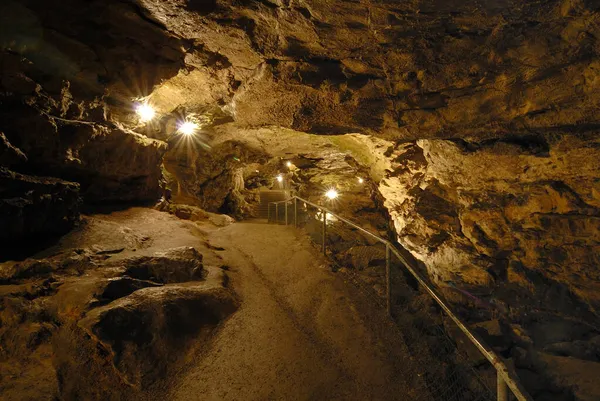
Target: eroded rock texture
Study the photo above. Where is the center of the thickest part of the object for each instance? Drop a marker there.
(410, 70)
(58, 64)
(35, 206)
(107, 321)
(503, 214)
(478, 122)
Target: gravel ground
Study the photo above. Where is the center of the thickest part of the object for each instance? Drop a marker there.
(301, 333)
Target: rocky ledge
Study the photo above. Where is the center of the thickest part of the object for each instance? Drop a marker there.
(100, 323)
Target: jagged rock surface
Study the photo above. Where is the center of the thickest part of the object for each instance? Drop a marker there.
(417, 69)
(56, 71)
(100, 322)
(490, 110)
(503, 215)
(35, 207)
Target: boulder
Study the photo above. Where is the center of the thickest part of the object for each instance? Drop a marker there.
(580, 376)
(172, 266)
(494, 333)
(362, 257)
(144, 331)
(587, 350)
(193, 213)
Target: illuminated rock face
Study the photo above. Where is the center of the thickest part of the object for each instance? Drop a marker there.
(479, 124)
(510, 217)
(410, 69)
(57, 63)
(512, 85)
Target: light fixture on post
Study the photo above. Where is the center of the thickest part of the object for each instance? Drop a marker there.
(145, 112)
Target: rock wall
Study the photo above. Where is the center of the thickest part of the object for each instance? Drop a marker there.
(510, 84)
(68, 70)
(34, 206)
(515, 220)
(113, 311)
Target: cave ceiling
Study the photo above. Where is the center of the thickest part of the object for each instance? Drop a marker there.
(401, 70)
(398, 69)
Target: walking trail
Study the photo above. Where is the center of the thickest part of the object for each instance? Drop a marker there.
(301, 333)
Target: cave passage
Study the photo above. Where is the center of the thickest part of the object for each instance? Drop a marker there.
(140, 141)
(301, 330)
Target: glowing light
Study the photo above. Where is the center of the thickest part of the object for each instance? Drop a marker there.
(361, 180)
(188, 128)
(145, 112)
(332, 194)
(289, 164)
(279, 178)
(329, 218)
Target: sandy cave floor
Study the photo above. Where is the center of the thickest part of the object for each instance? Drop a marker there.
(301, 332)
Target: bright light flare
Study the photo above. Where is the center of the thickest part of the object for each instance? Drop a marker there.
(332, 194)
(329, 218)
(188, 128)
(145, 112)
(289, 164)
(361, 180)
(279, 178)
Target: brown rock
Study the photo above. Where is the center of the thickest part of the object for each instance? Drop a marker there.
(9, 154)
(141, 330)
(35, 206)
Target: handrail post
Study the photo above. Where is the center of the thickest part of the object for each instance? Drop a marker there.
(277, 213)
(388, 278)
(502, 388)
(286, 213)
(295, 212)
(507, 381)
(324, 229)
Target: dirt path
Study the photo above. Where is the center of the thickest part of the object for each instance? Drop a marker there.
(301, 332)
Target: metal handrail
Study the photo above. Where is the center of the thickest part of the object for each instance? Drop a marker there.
(506, 378)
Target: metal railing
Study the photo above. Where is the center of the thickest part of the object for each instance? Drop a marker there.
(505, 378)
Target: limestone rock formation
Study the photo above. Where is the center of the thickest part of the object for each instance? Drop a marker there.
(35, 207)
(56, 70)
(417, 69)
(100, 323)
(474, 123)
(502, 215)
(156, 321)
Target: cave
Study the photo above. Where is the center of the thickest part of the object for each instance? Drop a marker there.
(312, 200)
